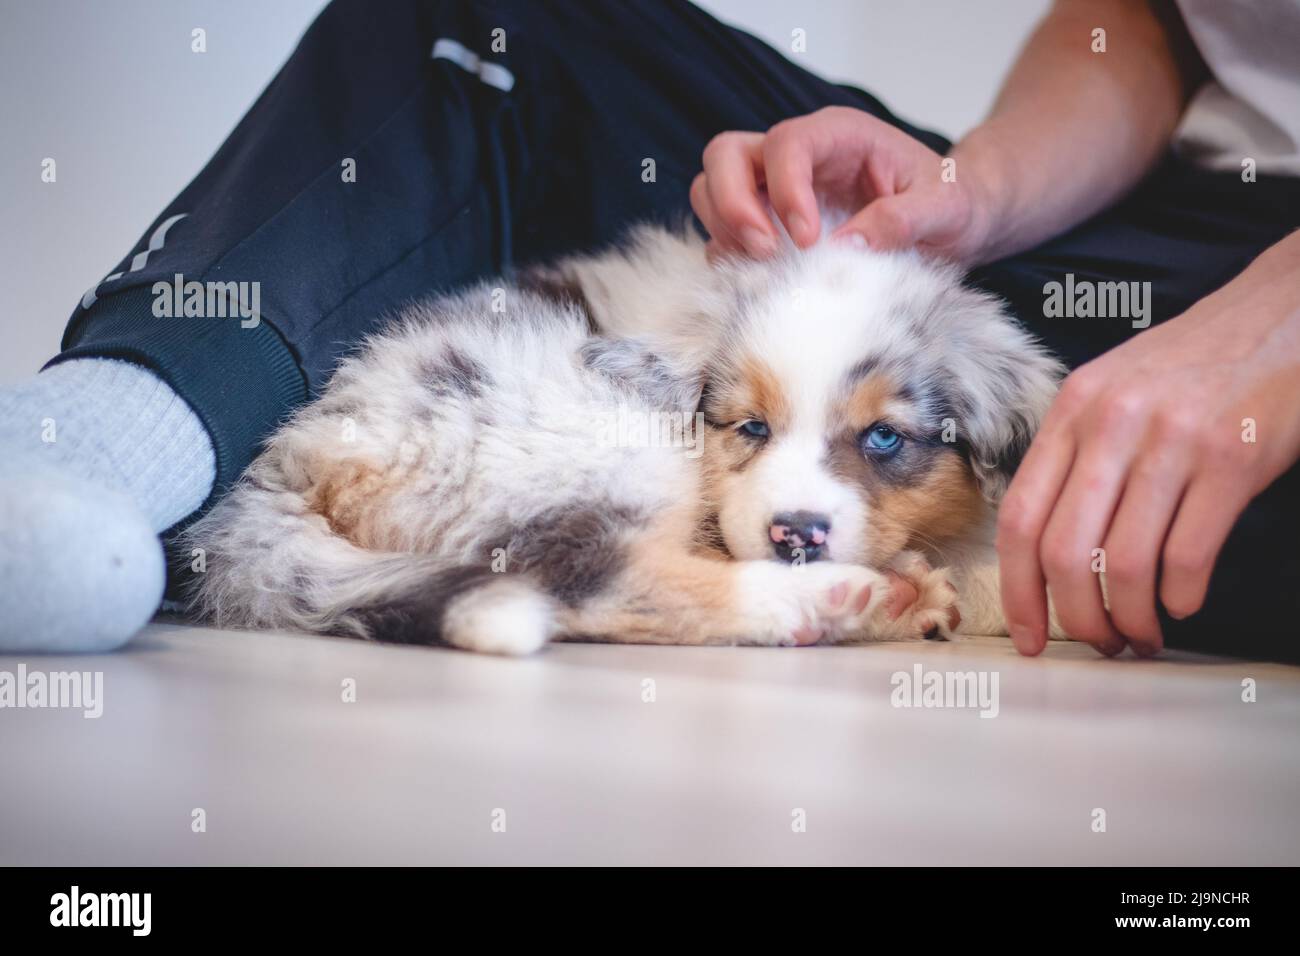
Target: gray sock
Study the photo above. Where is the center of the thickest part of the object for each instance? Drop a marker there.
(96, 457)
(115, 424)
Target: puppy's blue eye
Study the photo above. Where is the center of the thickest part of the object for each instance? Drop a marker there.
(882, 438)
(754, 428)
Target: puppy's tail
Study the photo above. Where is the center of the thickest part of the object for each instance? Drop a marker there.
(263, 559)
(468, 607)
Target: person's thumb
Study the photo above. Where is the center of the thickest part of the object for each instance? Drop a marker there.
(899, 221)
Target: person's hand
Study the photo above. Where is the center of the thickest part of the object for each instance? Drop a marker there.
(1150, 453)
(892, 183)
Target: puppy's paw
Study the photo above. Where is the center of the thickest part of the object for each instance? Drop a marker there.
(789, 605)
(921, 602)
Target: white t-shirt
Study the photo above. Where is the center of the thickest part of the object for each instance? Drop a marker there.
(1251, 108)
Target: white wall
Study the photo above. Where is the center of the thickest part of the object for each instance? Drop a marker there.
(113, 93)
(936, 63)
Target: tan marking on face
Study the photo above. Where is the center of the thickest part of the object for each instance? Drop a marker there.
(866, 404)
(727, 451)
(754, 392)
(722, 456)
(944, 505)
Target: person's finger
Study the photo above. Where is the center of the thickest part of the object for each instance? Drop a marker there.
(1070, 548)
(720, 237)
(1022, 516)
(790, 153)
(733, 167)
(1205, 517)
(1133, 544)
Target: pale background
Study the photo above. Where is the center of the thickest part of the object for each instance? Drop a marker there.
(113, 93)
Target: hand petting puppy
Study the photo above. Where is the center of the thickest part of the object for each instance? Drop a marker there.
(848, 159)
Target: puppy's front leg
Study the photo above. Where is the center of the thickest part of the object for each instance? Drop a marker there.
(979, 583)
(672, 598)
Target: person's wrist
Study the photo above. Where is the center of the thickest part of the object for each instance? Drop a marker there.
(986, 180)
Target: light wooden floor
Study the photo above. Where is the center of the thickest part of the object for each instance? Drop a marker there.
(252, 728)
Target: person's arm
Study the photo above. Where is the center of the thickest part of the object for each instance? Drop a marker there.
(1073, 130)
(1070, 132)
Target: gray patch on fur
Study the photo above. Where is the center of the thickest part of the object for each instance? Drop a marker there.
(647, 375)
(860, 371)
(559, 286)
(455, 372)
(574, 552)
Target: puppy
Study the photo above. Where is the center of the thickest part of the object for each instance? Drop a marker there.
(638, 446)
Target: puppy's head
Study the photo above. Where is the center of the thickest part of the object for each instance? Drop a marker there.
(860, 404)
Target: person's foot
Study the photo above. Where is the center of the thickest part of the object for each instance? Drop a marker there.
(81, 570)
(97, 456)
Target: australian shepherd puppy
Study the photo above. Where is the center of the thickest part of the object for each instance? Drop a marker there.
(639, 446)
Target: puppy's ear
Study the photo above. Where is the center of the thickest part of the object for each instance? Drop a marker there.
(559, 284)
(643, 284)
(634, 365)
(996, 455)
(1004, 380)
(654, 285)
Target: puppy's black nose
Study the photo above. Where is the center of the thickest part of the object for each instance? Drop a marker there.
(800, 535)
